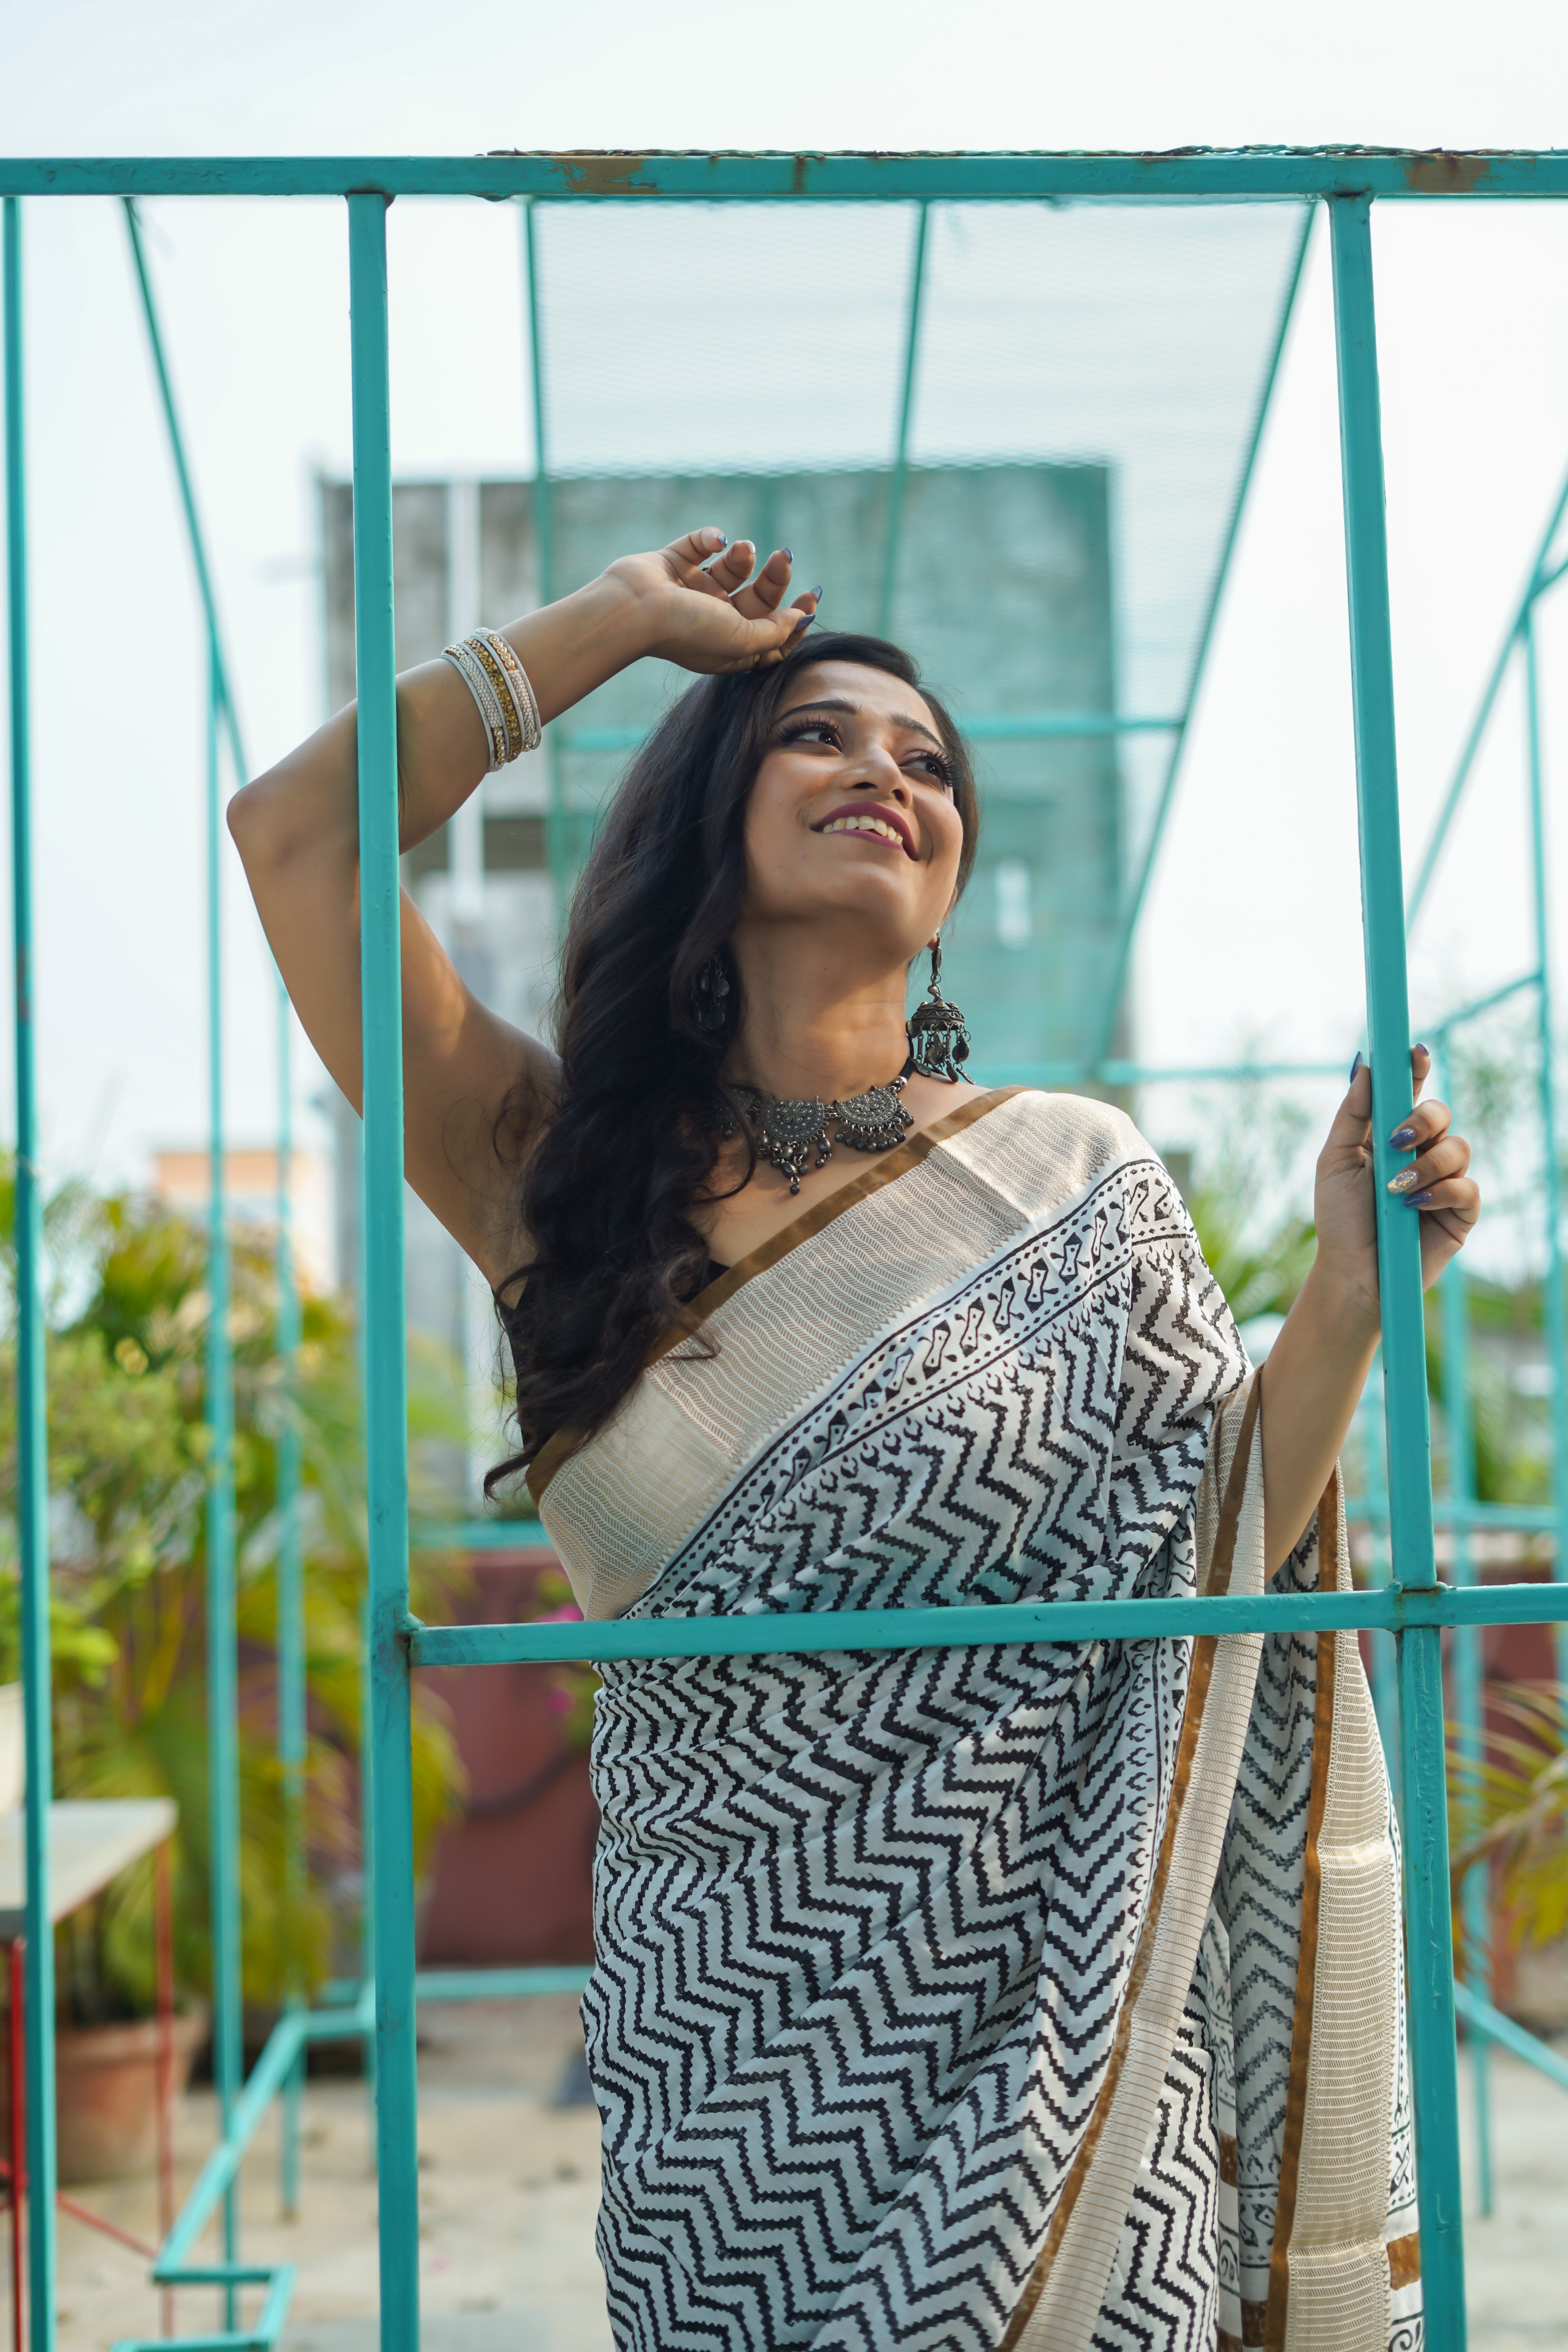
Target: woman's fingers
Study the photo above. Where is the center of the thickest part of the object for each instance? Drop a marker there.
(767, 592)
(687, 555)
(1449, 1155)
(1458, 1197)
(1425, 1123)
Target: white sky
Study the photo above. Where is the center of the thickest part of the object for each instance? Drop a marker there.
(1254, 929)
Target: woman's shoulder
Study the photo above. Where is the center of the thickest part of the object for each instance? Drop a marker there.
(1042, 1148)
(1100, 1131)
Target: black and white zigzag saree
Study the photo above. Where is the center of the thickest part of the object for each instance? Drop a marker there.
(991, 1999)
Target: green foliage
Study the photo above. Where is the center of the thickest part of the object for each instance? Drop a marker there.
(1510, 1808)
(129, 1472)
(1259, 1250)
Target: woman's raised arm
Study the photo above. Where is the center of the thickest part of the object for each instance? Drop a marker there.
(297, 830)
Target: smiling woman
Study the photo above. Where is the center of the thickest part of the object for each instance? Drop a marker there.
(961, 1998)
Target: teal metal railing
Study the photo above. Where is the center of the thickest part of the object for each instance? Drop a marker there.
(1413, 1607)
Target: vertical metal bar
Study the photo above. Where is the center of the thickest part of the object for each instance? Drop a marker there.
(1451, 799)
(558, 846)
(1127, 939)
(387, 1414)
(1470, 1697)
(32, 1423)
(1468, 1657)
(901, 447)
(1428, 1927)
(223, 1650)
(1555, 1316)
(1384, 1679)
(290, 1637)
(291, 1649)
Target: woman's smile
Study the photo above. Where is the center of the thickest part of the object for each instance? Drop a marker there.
(879, 824)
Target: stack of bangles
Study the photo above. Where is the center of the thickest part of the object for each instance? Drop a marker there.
(502, 695)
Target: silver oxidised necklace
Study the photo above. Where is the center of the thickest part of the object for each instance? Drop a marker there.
(786, 1133)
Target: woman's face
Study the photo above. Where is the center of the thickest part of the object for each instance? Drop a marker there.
(852, 811)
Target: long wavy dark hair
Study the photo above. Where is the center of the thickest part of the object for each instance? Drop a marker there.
(608, 1187)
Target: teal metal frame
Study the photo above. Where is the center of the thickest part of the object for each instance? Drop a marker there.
(1413, 1606)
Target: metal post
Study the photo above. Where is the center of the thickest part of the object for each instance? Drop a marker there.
(291, 1649)
(1428, 1929)
(223, 1641)
(557, 845)
(1469, 1694)
(32, 1403)
(1556, 1316)
(1540, 580)
(1385, 1678)
(386, 1416)
(901, 447)
(291, 1638)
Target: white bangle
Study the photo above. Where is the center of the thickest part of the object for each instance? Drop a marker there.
(502, 695)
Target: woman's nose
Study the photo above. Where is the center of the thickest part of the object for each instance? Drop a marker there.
(883, 775)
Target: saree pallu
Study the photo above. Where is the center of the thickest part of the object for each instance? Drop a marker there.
(1004, 1998)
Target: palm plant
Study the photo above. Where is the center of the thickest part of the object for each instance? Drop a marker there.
(1509, 1809)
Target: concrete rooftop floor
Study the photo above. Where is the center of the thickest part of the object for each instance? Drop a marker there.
(509, 2189)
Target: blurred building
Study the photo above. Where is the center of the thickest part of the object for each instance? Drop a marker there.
(182, 1175)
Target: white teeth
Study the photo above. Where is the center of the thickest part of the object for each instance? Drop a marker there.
(865, 825)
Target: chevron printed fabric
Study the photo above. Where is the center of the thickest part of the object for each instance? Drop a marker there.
(963, 2000)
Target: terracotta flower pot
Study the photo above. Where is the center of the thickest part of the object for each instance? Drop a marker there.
(106, 2086)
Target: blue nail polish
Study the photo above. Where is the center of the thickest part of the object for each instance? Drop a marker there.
(788, 554)
(1402, 1139)
(803, 622)
(818, 593)
(1420, 1200)
(1355, 1068)
(1422, 1049)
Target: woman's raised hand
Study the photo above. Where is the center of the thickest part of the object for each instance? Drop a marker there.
(703, 609)
(1434, 1184)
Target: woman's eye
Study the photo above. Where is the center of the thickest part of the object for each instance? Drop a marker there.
(818, 731)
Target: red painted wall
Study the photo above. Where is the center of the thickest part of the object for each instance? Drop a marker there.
(512, 1888)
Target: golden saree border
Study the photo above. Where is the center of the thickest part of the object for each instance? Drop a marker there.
(1330, 2270)
(1271, 2335)
(1061, 2301)
(887, 1170)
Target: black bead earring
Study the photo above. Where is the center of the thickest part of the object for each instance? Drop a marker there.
(709, 998)
(938, 1034)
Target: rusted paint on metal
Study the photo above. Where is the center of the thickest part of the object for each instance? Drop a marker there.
(1444, 172)
(612, 172)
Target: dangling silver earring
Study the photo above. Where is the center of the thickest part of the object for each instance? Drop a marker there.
(938, 1034)
(708, 997)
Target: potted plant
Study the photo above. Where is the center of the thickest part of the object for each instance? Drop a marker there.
(129, 1475)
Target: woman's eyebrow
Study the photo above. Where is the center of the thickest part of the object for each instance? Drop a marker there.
(852, 709)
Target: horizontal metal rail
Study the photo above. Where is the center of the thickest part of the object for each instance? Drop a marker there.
(1232, 174)
(1483, 2018)
(1390, 1608)
(1488, 1003)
